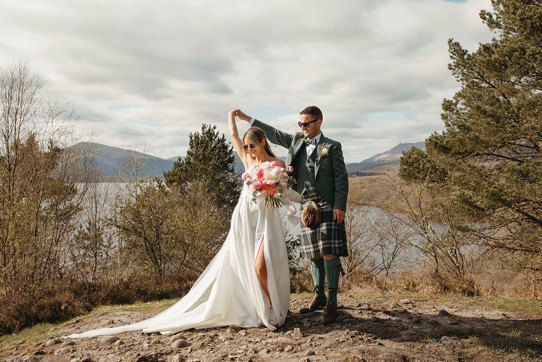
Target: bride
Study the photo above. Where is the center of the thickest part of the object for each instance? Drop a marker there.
(247, 283)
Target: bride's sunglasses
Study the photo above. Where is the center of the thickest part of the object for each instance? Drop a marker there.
(306, 124)
(251, 147)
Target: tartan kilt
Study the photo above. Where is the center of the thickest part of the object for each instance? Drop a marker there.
(328, 237)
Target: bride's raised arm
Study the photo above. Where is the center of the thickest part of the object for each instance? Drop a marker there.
(236, 140)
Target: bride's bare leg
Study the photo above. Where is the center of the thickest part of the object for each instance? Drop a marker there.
(261, 270)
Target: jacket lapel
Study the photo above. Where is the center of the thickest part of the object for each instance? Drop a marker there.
(323, 140)
(296, 148)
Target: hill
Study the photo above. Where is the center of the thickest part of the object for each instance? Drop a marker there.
(382, 162)
(110, 159)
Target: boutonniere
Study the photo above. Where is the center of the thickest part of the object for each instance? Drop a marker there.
(323, 150)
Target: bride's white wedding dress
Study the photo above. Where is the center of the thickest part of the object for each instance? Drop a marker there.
(228, 292)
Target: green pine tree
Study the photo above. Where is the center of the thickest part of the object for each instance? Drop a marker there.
(489, 158)
(209, 161)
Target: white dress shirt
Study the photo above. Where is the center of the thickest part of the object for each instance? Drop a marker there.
(308, 148)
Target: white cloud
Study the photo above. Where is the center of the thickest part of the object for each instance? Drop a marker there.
(147, 74)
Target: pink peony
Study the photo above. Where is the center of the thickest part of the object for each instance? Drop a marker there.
(245, 176)
(275, 164)
(257, 185)
(259, 174)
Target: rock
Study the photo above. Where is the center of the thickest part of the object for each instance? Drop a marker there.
(288, 348)
(155, 341)
(455, 321)
(52, 342)
(39, 352)
(109, 339)
(176, 337)
(61, 351)
(405, 301)
(75, 360)
(280, 340)
(87, 359)
(443, 313)
(297, 333)
(180, 343)
(242, 332)
(264, 352)
(364, 306)
(120, 342)
(177, 358)
(310, 352)
(67, 343)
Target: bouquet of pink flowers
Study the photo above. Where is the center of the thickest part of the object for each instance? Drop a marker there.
(268, 181)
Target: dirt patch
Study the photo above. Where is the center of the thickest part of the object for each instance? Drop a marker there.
(368, 328)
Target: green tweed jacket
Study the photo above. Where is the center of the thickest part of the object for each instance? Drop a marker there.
(330, 171)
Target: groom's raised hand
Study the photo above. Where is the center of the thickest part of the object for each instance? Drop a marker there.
(242, 116)
(338, 215)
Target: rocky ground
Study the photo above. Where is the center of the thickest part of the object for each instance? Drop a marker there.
(371, 328)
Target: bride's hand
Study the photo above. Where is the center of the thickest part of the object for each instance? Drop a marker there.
(233, 113)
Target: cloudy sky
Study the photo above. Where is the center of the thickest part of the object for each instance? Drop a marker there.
(144, 74)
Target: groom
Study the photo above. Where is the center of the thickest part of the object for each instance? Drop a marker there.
(321, 178)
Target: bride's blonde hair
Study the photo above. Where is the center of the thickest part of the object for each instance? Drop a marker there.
(256, 135)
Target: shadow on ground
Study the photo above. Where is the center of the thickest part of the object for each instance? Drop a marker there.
(410, 323)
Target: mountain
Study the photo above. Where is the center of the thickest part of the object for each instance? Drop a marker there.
(389, 158)
(110, 159)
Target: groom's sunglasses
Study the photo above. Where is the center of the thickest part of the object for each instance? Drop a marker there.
(306, 124)
(251, 147)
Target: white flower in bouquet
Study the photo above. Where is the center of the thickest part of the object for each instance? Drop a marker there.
(268, 181)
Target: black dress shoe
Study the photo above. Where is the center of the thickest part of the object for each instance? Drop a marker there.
(315, 304)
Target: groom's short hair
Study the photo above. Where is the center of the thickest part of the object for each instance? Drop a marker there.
(313, 111)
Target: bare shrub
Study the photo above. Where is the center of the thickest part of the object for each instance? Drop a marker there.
(441, 234)
(38, 194)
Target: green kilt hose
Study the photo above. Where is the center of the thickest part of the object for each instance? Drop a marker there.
(327, 238)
